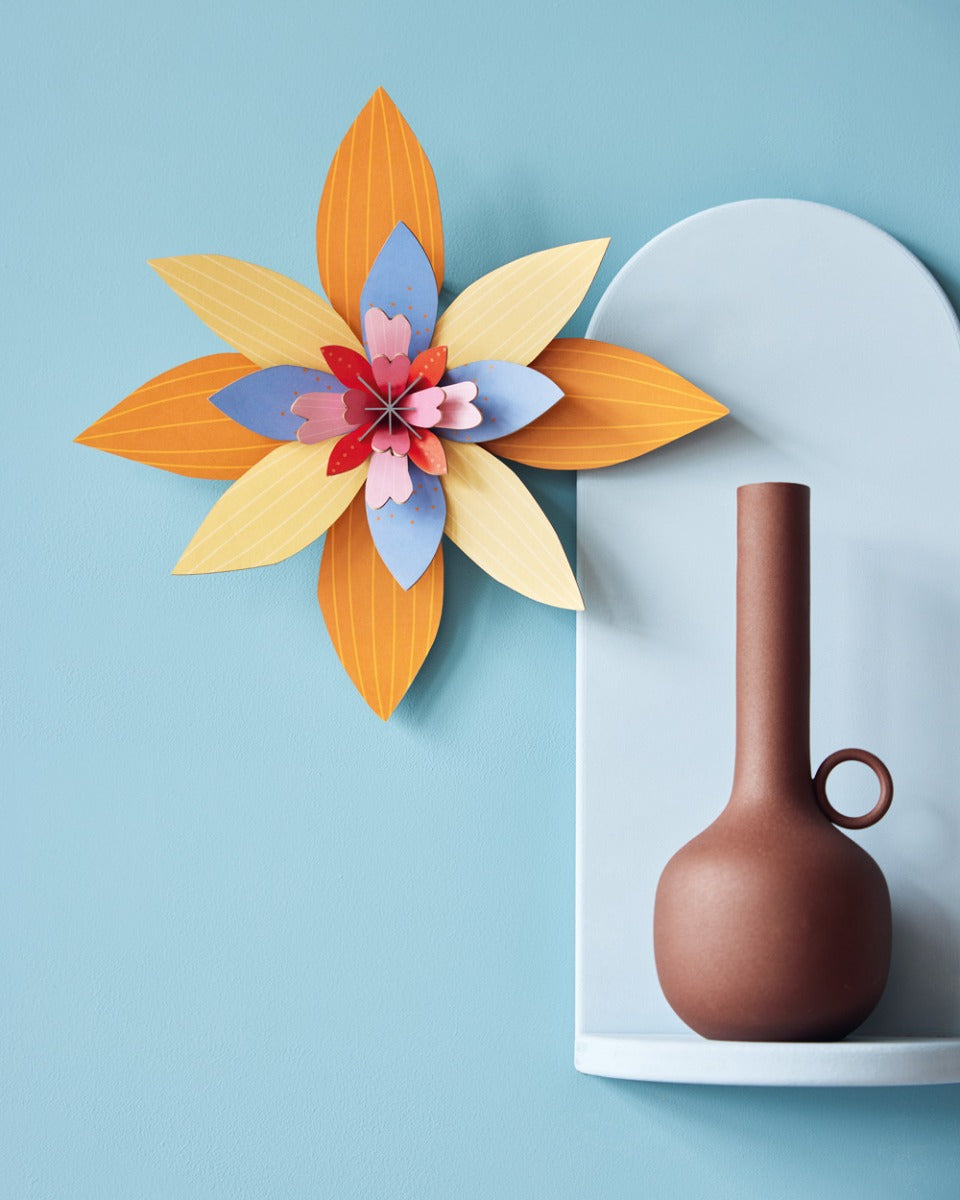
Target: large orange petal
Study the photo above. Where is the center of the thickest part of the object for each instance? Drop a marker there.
(617, 405)
(381, 633)
(379, 176)
(170, 423)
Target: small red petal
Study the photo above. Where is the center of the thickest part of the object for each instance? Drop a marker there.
(426, 452)
(351, 368)
(429, 366)
(349, 452)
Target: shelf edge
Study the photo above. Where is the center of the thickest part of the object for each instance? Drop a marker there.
(682, 1058)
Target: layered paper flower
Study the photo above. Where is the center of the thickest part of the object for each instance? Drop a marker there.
(378, 421)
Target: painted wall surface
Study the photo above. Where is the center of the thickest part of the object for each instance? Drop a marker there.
(255, 943)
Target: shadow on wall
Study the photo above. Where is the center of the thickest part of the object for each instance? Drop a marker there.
(608, 587)
(761, 1135)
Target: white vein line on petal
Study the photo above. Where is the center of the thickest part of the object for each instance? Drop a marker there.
(256, 494)
(204, 393)
(492, 543)
(275, 311)
(564, 299)
(244, 334)
(537, 542)
(328, 503)
(581, 353)
(317, 310)
(276, 305)
(561, 308)
(518, 290)
(304, 478)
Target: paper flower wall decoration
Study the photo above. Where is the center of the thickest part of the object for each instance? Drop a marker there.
(383, 423)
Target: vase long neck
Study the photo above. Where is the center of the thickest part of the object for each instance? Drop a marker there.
(773, 641)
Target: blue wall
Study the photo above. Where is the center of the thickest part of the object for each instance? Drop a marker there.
(254, 942)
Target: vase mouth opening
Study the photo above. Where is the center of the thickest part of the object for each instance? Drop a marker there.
(774, 485)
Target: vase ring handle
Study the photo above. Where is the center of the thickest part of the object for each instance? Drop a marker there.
(853, 755)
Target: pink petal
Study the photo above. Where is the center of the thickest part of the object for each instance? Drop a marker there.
(318, 431)
(457, 410)
(391, 374)
(386, 336)
(318, 404)
(324, 416)
(422, 408)
(398, 441)
(389, 479)
(356, 401)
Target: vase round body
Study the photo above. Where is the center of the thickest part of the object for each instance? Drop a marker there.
(772, 925)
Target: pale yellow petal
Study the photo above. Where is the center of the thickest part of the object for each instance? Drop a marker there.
(271, 319)
(493, 518)
(279, 506)
(513, 312)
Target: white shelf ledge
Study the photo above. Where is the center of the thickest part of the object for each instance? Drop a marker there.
(686, 1058)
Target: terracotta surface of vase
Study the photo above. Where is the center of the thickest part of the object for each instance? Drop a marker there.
(772, 925)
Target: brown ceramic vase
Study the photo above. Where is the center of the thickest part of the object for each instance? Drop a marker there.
(772, 925)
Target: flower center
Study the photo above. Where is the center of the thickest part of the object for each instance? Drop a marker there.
(390, 408)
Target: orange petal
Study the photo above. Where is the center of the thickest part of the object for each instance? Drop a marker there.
(170, 423)
(381, 633)
(379, 176)
(429, 366)
(426, 452)
(617, 405)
